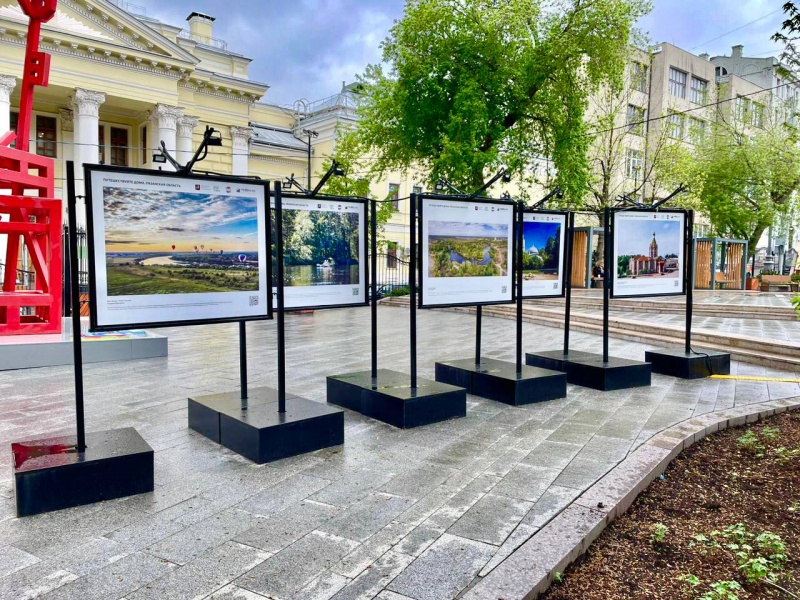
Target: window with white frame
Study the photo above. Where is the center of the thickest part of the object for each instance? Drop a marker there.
(394, 195)
(699, 90)
(675, 126)
(742, 108)
(635, 119)
(757, 114)
(639, 77)
(677, 83)
(633, 163)
(697, 129)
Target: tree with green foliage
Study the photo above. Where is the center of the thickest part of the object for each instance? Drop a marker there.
(745, 171)
(480, 84)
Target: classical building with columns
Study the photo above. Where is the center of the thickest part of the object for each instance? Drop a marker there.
(122, 82)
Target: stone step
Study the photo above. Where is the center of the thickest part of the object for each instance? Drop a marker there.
(777, 355)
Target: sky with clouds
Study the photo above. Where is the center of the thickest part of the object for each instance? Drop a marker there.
(462, 229)
(634, 237)
(307, 48)
(153, 221)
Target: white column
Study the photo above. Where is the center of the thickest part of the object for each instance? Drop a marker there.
(186, 148)
(7, 85)
(241, 149)
(85, 106)
(165, 128)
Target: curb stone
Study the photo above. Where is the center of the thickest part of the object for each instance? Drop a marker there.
(530, 570)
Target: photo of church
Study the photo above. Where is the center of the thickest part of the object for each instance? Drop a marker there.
(662, 253)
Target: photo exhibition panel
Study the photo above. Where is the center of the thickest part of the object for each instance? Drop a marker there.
(172, 250)
(324, 253)
(543, 264)
(648, 253)
(466, 251)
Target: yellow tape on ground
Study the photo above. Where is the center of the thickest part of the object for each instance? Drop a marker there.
(754, 378)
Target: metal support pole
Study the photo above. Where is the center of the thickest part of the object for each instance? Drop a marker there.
(75, 293)
(243, 362)
(281, 312)
(518, 272)
(568, 279)
(606, 278)
(412, 287)
(373, 215)
(478, 319)
(689, 278)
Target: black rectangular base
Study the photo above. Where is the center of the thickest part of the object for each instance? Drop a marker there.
(392, 400)
(678, 363)
(49, 474)
(498, 380)
(588, 370)
(262, 434)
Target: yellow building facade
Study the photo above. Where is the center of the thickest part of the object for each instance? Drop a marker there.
(121, 83)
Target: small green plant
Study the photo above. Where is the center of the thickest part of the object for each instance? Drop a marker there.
(558, 577)
(770, 433)
(692, 580)
(658, 533)
(795, 507)
(796, 304)
(722, 590)
(784, 455)
(750, 443)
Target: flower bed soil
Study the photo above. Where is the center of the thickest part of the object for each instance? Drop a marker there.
(719, 482)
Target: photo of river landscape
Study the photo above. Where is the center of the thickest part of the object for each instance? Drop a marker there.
(458, 249)
(167, 242)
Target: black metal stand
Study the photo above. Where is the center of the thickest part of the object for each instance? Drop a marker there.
(568, 281)
(261, 427)
(502, 381)
(587, 369)
(66, 471)
(689, 364)
(243, 363)
(391, 396)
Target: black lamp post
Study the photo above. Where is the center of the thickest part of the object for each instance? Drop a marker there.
(310, 134)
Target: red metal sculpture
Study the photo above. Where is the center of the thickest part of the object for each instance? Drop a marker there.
(33, 212)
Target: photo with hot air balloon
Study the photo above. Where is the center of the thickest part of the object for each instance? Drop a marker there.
(176, 242)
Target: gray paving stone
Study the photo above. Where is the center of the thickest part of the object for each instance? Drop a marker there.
(208, 573)
(367, 553)
(288, 526)
(491, 519)
(115, 580)
(13, 559)
(322, 587)
(552, 502)
(234, 592)
(418, 540)
(581, 473)
(374, 579)
(91, 556)
(526, 482)
(181, 547)
(284, 574)
(417, 482)
(366, 517)
(34, 581)
(552, 455)
(444, 569)
(351, 488)
(280, 496)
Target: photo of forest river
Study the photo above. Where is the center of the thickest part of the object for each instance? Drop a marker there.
(313, 275)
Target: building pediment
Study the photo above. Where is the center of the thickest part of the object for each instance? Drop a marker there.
(99, 27)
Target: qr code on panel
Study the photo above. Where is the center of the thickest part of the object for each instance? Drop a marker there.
(253, 300)
(505, 289)
(355, 291)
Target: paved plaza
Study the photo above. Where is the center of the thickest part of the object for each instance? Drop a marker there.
(392, 514)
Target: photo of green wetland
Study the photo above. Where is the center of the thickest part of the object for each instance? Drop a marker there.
(164, 242)
(458, 249)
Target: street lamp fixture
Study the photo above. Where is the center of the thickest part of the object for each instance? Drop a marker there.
(310, 134)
